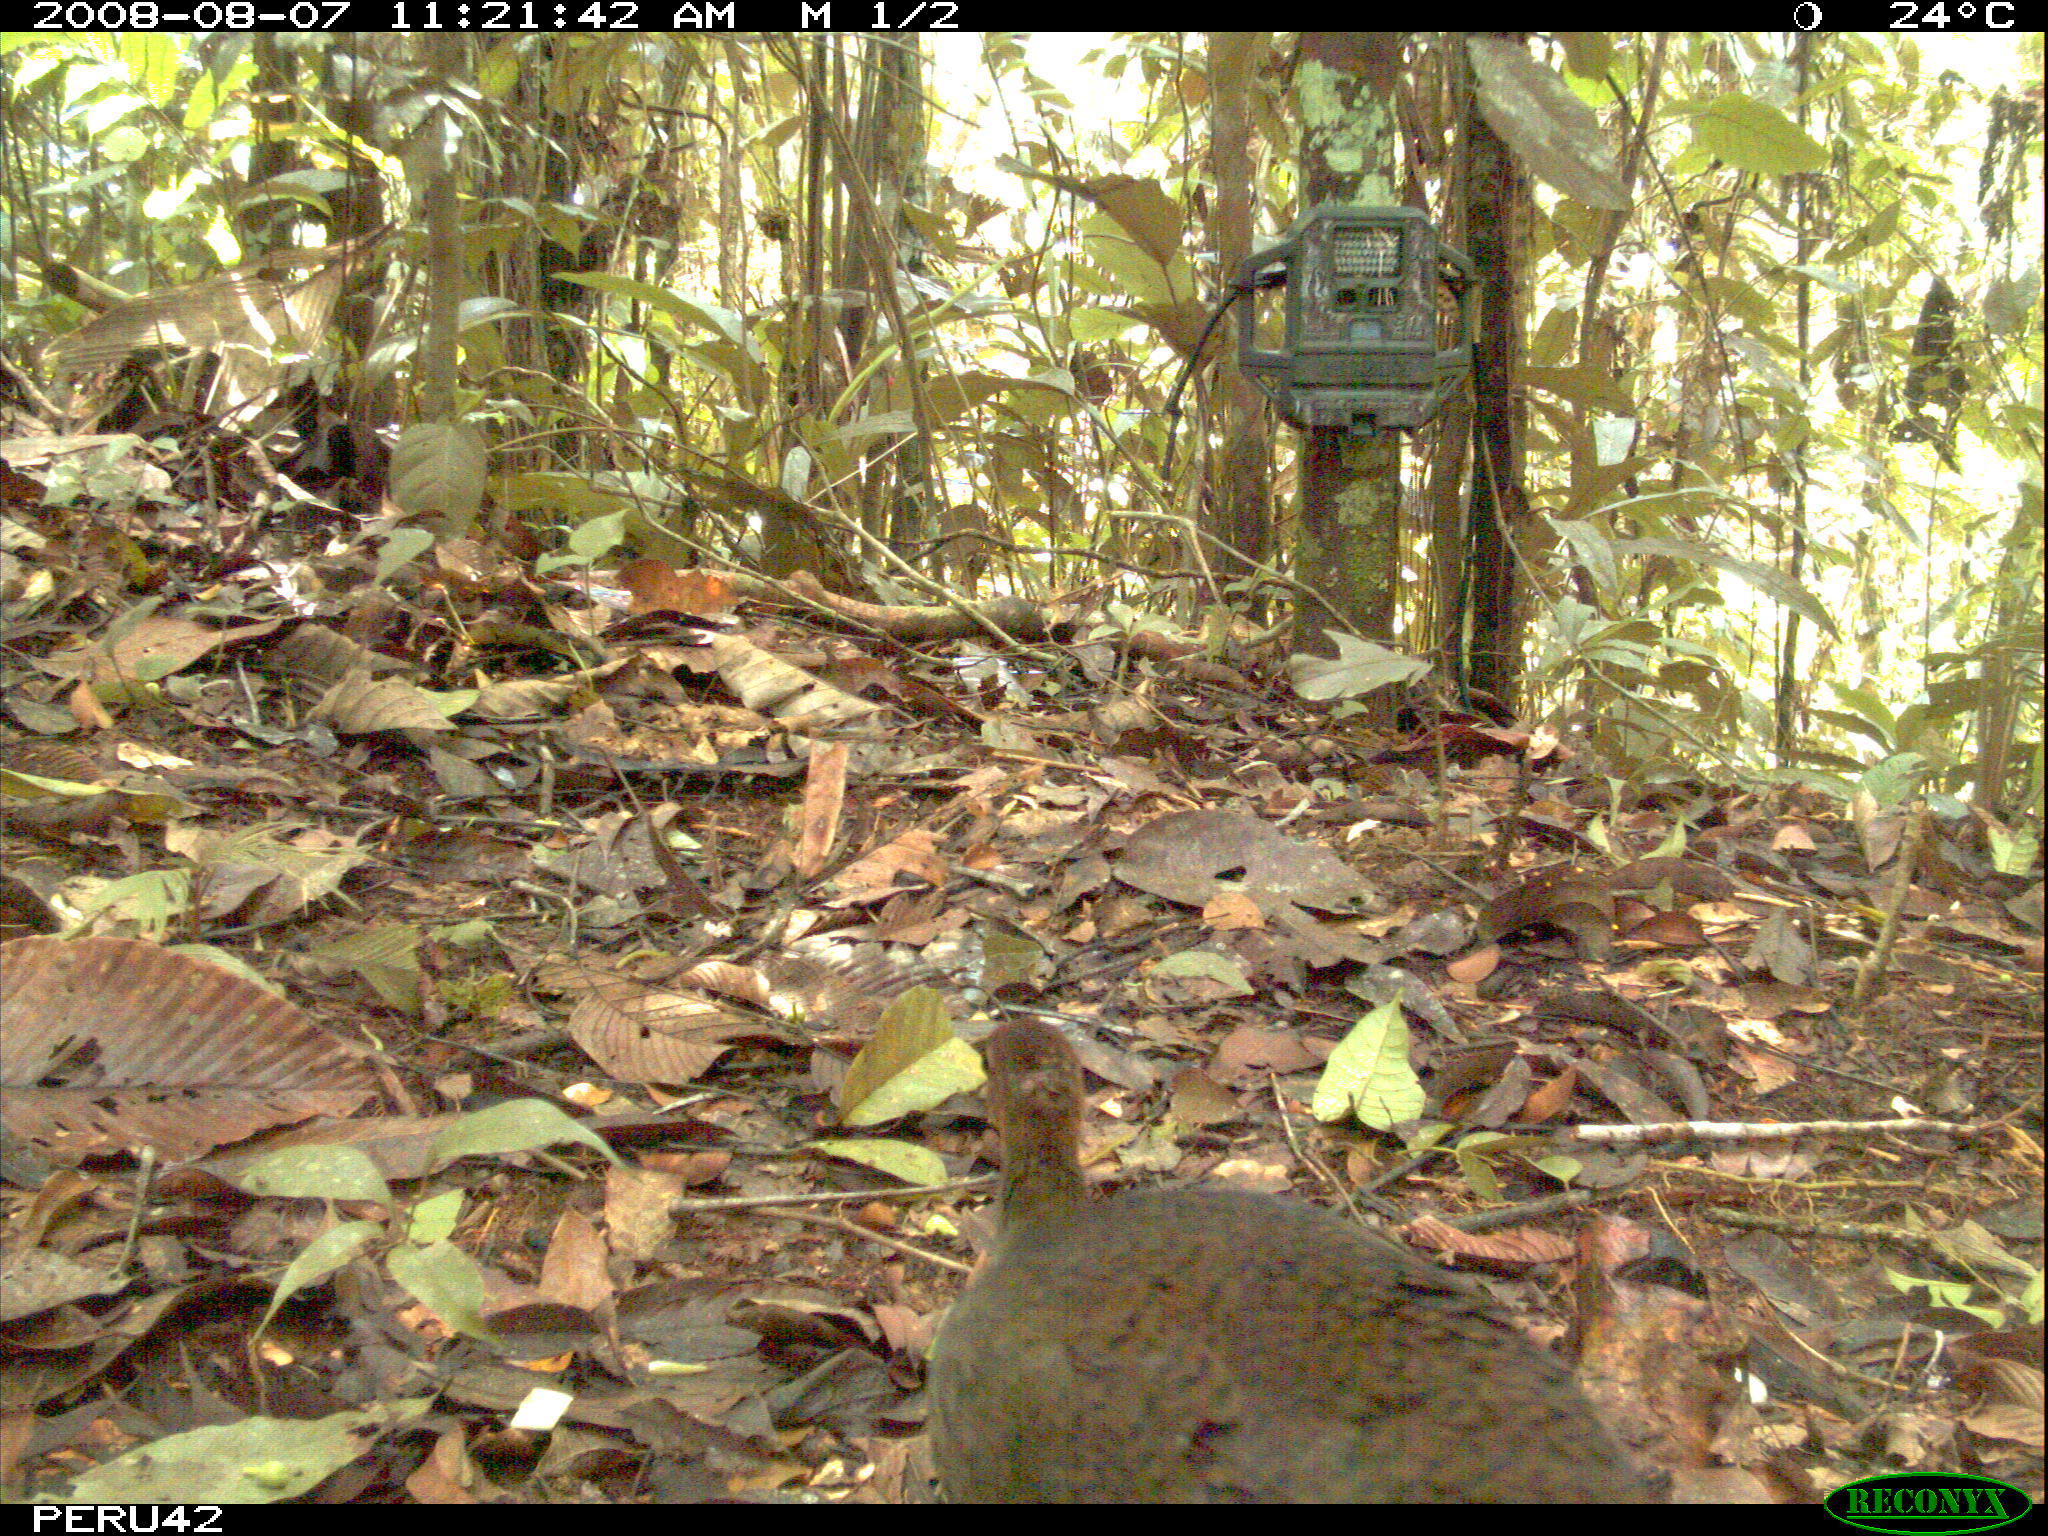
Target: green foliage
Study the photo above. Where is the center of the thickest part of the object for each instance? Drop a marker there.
(1783, 365)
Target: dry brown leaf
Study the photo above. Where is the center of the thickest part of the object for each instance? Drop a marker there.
(113, 1044)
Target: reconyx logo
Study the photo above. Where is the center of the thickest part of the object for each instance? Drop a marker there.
(1921, 1502)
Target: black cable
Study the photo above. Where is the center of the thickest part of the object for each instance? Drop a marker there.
(1272, 278)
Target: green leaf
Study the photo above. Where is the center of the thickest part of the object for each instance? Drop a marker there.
(1895, 780)
(598, 537)
(314, 1173)
(796, 473)
(523, 1125)
(1421, 1135)
(1368, 1074)
(1953, 1294)
(1139, 273)
(1552, 132)
(1864, 713)
(1359, 668)
(2013, 851)
(575, 500)
(446, 1281)
(319, 1259)
(401, 548)
(1774, 584)
(1009, 957)
(903, 1160)
(719, 321)
(1474, 1156)
(1205, 965)
(914, 1062)
(1591, 549)
(148, 900)
(1090, 324)
(1751, 136)
(253, 1461)
(433, 1219)
(33, 786)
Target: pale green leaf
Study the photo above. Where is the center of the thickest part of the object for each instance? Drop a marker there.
(1359, 667)
(252, 1461)
(903, 1160)
(446, 1281)
(1753, 136)
(1774, 584)
(914, 1062)
(319, 1259)
(522, 1125)
(433, 1219)
(314, 1173)
(1205, 965)
(1368, 1075)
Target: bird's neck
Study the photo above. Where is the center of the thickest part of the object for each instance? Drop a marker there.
(1042, 1183)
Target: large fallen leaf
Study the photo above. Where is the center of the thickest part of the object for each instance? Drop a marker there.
(150, 649)
(36, 1280)
(787, 694)
(644, 1035)
(1193, 856)
(114, 1044)
(255, 1461)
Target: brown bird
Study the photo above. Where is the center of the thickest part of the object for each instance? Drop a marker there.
(1210, 1345)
